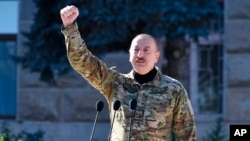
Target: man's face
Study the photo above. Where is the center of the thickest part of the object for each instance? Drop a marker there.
(143, 53)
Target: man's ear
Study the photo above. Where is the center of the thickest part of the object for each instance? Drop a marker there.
(157, 55)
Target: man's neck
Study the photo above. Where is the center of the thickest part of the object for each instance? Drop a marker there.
(145, 78)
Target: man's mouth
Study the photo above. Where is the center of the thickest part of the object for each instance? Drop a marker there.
(140, 60)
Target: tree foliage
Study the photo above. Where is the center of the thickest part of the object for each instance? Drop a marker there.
(109, 25)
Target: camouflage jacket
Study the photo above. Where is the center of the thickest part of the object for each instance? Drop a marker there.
(163, 106)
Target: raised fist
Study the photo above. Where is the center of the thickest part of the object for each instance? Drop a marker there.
(69, 14)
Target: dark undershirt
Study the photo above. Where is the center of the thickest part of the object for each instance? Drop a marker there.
(146, 77)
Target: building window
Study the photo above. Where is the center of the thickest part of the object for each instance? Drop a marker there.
(8, 32)
(7, 76)
(210, 79)
(206, 71)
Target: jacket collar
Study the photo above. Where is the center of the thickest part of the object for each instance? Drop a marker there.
(155, 82)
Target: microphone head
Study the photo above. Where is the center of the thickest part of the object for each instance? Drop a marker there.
(116, 105)
(132, 104)
(99, 106)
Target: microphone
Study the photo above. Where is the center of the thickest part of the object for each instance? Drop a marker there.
(116, 106)
(132, 105)
(99, 107)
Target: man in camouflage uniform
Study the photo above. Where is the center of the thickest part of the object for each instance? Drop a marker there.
(163, 107)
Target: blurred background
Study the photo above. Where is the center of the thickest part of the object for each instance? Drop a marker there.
(204, 44)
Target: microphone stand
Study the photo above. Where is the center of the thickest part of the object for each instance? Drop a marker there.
(130, 126)
(116, 106)
(132, 104)
(94, 127)
(111, 127)
(99, 107)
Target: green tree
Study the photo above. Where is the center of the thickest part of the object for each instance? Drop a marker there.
(7, 135)
(109, 25)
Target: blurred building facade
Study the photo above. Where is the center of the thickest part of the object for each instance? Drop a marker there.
(218, 82)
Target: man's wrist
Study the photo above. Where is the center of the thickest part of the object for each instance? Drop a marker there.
(67, 30)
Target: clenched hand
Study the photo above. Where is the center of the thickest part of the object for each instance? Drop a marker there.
(69, 14)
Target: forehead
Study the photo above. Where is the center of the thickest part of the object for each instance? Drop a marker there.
(143, 41)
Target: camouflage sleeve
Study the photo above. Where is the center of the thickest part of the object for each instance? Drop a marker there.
(184, 124)
(82, 60)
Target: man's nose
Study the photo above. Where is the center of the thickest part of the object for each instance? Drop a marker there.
(140, 53)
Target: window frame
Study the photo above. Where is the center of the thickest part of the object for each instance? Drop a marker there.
(193, 60)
